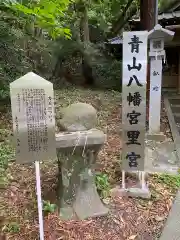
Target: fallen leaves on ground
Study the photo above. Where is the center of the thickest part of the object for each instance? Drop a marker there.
(128, 218)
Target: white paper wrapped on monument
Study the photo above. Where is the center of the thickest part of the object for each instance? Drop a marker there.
(77, 148)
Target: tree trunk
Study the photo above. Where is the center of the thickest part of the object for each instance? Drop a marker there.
(124, 21)
(58, 67)
(120, 22)
(84, 27)
(147, 14)
(84, 35)
(148, 19)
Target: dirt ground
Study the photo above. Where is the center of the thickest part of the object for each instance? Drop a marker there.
(128, 218)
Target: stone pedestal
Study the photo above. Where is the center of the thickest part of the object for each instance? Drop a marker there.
(161, 157)
(159, 137)
(77, 192)
(135, 192)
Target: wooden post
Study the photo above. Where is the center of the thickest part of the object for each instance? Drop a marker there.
(179, 73)
(148, 16)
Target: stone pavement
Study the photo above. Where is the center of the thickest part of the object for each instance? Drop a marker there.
(171, 230)
(161, 157)
(172, 105)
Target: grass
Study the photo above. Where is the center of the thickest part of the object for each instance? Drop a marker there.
(6, 154)
(171, 181)
(49, 207)
(12, 227)
(103, 185)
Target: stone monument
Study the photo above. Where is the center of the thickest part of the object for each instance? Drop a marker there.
(77, 149)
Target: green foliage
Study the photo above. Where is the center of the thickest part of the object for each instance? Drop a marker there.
(164, 5)
(49, 207)
(4, 134)
(6, 153)
(12, 227)
(172, 181)
(24, 41)
(105, 12)
(20, 51)
(102, 184)
(108, 74)
(44, 37)
(4, 92)
(47, 14)
(12, 58)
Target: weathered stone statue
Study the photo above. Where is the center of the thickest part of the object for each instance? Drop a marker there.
(77, 149)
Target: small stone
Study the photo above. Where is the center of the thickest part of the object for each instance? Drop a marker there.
(132, 237)
(139, 192)
(159, 218)
(131, 192)
(106, 201)
(14, 189)
(118, 192)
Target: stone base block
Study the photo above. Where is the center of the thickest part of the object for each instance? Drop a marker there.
(67, 213)
(131, 192)
(161, 158)
(165, 168)
(159, 137)
(88, 204)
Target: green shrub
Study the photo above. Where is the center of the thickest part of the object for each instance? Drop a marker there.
(102, 184)
(49, 207)
(108, 74)
(21, 52)
(171, 181)
(12, 227)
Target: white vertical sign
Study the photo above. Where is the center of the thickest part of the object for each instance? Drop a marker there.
(155, 95)
(32, 103)
(157, 36)
(134, 99)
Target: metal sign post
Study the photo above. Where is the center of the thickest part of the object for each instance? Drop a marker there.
(38, 192)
